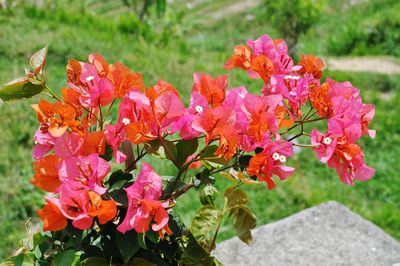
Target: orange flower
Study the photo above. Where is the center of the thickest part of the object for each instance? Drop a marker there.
(124, 80)
(95, 142)
(160, 88)
(74, 70)
(52, 218)
(100, 64)
(213, 89)
(57, 117)
(46, 173)
(241, 58)
(228, 142)
(283, 122)
(320, 99)
(263, 67)
(311, 65)
(71, 97)
(261, 123)
(104, 210)
(139, 132)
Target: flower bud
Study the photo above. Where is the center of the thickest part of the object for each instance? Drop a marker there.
(208, 194)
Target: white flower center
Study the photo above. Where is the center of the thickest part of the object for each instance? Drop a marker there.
(292, 77)
(90, 78)
(327, 141)
(282, 159)
(126, 121)
(198, 109)
(275, 156)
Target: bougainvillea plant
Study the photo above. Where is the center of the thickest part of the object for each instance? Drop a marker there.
(104, 205)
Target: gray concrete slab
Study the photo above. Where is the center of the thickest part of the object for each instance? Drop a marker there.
(328, 234)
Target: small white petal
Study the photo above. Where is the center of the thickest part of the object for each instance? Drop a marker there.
(198, 109)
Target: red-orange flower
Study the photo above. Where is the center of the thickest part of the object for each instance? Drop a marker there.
(139, 132)
(320, 99)
(46, 173)
(213, 89)
(74, 70)
(57, 117)
(228, 142)
(95, 142)
(52, 218)
(240, 58)
(311, 65)
(124, 80)
(101, 65)
(263, 66)
(104, 210)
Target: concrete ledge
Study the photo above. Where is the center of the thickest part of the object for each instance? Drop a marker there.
(328, 234)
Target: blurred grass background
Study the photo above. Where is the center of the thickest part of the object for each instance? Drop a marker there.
(199, 35)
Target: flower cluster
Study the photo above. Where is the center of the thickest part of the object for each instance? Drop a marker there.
(221, 128)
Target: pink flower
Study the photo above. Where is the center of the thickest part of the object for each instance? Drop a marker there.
(294, 88)
(86, 170)
(93, 89)
(115, 135)
(44, 143)
(74, 204)
(275, 50)
(198, 103)
(168, 108)
(68, 145)
(212, 120)
(145, 207)
(367, 114)
(337, 148)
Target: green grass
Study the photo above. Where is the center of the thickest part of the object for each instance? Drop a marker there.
(189, 48)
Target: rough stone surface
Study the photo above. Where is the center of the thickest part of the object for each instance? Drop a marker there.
(328, 234)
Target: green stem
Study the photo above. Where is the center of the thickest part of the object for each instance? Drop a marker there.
(49, 92)
(214, 239)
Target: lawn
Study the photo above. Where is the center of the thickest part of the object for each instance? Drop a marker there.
(173, 52)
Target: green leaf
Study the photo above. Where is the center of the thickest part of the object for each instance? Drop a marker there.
(205, 221)
(153, 146)
(235, 196)
(243, 221)
(185, 148)
(170, 150)
(209, 155)
(108, 154)
(141, 238)
(195, 254)
(38, 60)
(208, 194)
(23, 260)
(118, 179)
(19, 90)
(229, 177)
(153, 236)
(95, 261)
(127, 244)
(67, 258)
(142, 262)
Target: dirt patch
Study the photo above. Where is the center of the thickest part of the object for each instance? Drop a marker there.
(364, 64)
